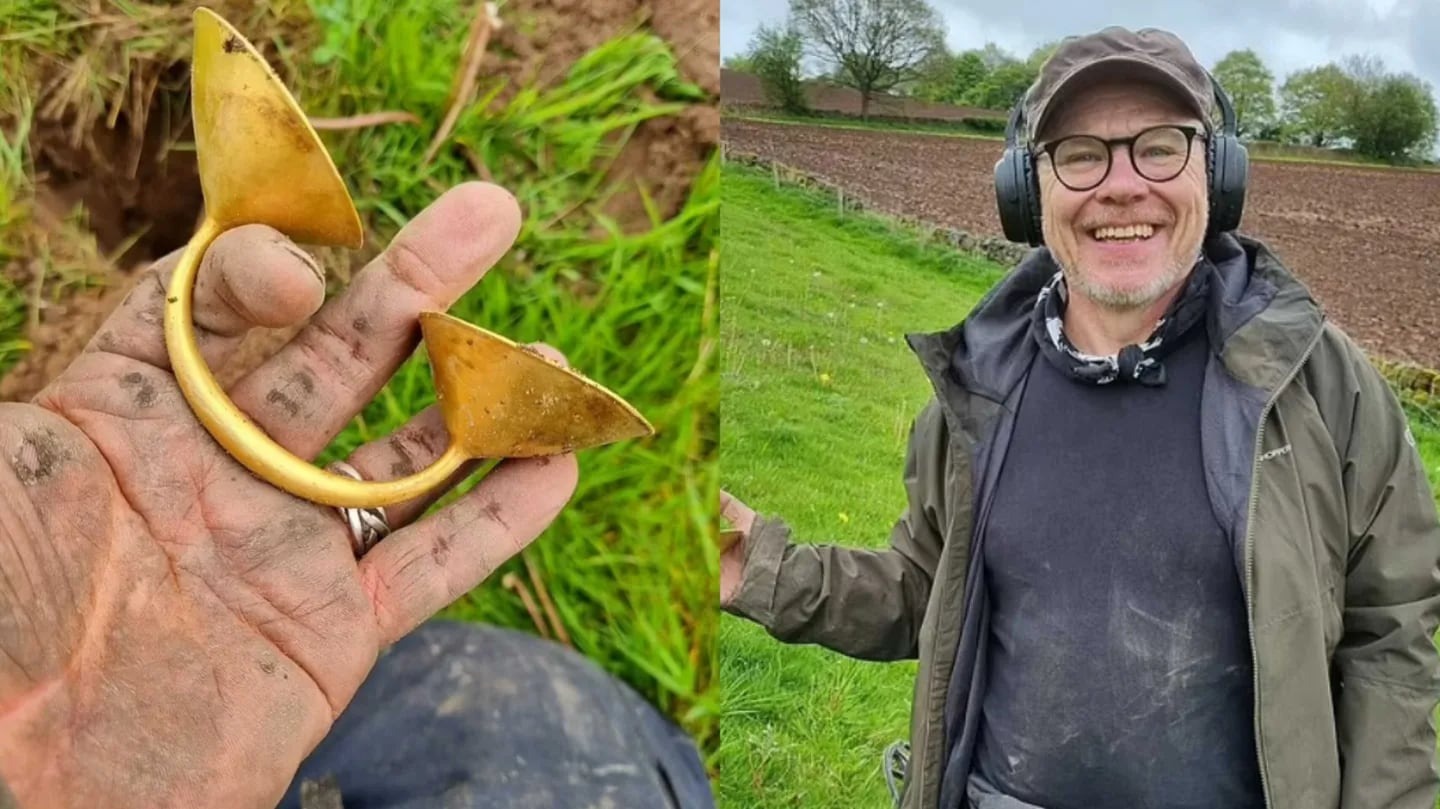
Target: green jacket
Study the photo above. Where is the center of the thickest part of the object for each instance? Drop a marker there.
(1333, 523)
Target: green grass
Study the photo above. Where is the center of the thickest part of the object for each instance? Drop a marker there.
(627, 564)
(14, 214)
(1425, 424)
(1285, 153)
(817, 390)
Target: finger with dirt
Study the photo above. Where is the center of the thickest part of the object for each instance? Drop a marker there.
(251, 276)
(417, 571)
(305, 394)
(414, 446)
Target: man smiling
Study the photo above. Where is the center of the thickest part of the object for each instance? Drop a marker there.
(1169, 542)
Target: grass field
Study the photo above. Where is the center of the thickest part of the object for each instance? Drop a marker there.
(817, 390)
(628, 565)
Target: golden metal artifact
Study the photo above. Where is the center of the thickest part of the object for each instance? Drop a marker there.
(261, 162)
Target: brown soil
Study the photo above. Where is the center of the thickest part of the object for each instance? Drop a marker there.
(141, 201)
(664, 155)
(1363, 240)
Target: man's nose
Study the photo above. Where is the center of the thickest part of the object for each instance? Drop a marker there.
(1123, 183)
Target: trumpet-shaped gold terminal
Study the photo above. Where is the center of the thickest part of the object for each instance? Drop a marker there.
(262, 163)
(501, 400)
(260, 160)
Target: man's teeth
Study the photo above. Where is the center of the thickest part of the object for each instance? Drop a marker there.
(1127, 232)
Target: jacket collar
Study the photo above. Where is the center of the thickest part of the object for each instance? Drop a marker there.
(1261, 321)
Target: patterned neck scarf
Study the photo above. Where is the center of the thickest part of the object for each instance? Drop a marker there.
(1140, 363)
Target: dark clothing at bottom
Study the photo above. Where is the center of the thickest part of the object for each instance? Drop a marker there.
(1118, 666)
(456, 716)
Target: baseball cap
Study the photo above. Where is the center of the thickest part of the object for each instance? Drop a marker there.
(1149, 53)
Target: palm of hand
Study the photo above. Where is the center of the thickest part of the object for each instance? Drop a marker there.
(161, 580)
(176, 631)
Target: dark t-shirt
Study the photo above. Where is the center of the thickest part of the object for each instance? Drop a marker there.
(1119, 662)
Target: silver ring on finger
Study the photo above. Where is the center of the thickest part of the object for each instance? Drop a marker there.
(367, 525)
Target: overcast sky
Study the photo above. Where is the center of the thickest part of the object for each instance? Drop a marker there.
(1287, 34)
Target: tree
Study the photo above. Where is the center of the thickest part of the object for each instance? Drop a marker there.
(1367, 71)
(970, 71)
(875, 44)
(774, 55)
(1251, 88)
(740, 62)
(1366, 74)
(1316, 103)
(994, 56)
(1395, 119)
(1002, 87)
(935, 76)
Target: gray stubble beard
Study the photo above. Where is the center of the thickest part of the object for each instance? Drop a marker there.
(1129, 300)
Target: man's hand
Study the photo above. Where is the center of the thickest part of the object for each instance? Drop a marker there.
(176, 632)
(732, 559)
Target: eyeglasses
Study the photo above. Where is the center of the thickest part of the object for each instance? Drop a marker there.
(1159, 154)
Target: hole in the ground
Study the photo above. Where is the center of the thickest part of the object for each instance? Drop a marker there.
(141, 195)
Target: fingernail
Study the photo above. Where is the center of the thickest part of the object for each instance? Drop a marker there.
(304, 257)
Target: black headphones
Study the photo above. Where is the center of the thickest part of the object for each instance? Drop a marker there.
(1017, 185)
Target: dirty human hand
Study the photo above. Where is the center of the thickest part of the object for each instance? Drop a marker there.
(732, 559)
(173, 630)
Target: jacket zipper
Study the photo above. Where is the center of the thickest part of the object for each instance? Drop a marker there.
(1250, 555)
(977, 527)
(927, 733)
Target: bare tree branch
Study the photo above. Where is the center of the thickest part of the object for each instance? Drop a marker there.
(870, 45)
